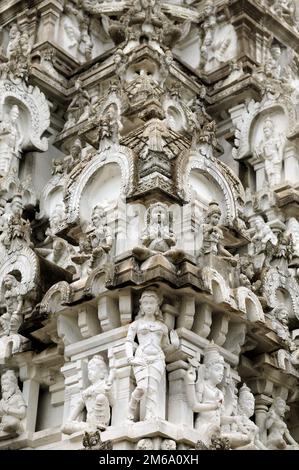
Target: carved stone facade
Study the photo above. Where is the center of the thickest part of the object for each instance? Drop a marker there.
(149, 225)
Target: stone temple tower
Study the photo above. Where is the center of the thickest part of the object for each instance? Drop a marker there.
(149, 224)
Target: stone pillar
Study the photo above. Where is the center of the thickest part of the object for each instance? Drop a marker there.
(50, 12)
(123, 384)
(28, 375)
(260, 177)
(291, 166)
(75, 374)
(179, 412)
(261, 410)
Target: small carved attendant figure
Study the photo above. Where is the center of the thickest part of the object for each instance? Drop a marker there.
(244, 424)
(204, 396)
(97, 399)
(149, 359)
(16, 228)
(13, 43)
(271, 150)
(263, 234)
(12, 406)
(10, 141)
(75, 155)
(11, 320)
(212, 233)
(280, 324)
(278, 435)
(99, 235)
(79, 108)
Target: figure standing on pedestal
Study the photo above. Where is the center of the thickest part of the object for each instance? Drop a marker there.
(12, 406)
(271, 150)
(10, 141)
(97, 399)
(149, 359)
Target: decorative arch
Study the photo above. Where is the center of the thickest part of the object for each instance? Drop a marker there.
(55, 298)
(248, 303)
(249, 118)
(56, 184)
(26, 263)
(226, 181)
(216, 285)
(274, 282)
(98, 280)
(120, 155)
(36, 105)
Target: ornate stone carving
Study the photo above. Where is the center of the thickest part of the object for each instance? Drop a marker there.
(219, 44)
(278, 435)
(97, 399)
(212, 233)
(270, 149)
(12, 406)
(204, 395)
(97, 241)
(149, 359)
(79, 108)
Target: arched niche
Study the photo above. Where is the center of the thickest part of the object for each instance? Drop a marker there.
(106, 178)
(105, 185)
(280, 121)
(205, 189)
(211, 179)
(175, 115)
(281, 289)
(34, 113)
(52, 195)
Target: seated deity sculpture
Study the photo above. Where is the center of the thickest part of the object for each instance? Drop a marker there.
(148, 362)
(244, 433)
(213, 234)
(96, 399)
(158, 236)
(206, 398)
(278, 435)
(10, 141)
(12, 406)
(11, 320)
(270, 149)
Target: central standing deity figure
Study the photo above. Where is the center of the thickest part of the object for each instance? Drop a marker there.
(149, 359)
(271, 150)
